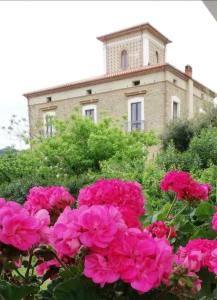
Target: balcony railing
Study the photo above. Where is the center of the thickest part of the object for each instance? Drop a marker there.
(134, 126)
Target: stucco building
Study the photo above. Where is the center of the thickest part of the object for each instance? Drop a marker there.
(138, 84)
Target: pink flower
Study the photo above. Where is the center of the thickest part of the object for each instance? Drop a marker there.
(197, 254)
(140, 259)
(44, 219)
(18, 228)
(183, 185)
(43, 267)
(159, 229)
(52, 198)
(64, 235)
(126, 195)
(99, 269)
(99, 225)
(214, 222)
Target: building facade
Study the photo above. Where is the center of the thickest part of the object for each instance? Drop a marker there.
(139, 90)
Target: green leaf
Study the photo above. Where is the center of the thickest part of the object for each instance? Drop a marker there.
(204, 211)
(9, 291)
(79, 288)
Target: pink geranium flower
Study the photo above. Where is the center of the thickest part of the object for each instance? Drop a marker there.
(64, 235)
(99, 269)
(53, 198)
(43, 267)
(99, 225)
(183, 185)
(197, 254)
(126, 195)
(160, 230)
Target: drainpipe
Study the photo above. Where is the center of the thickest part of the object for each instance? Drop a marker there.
(190, 91)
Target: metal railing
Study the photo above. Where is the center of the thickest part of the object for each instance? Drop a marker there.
(134, 126)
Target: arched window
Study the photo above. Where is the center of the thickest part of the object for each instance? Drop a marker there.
(124, 59)
(157, 57)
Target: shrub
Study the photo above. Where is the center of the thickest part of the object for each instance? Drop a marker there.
(180, 133)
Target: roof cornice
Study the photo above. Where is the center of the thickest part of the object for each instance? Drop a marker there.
(117, 76)
(138, 28)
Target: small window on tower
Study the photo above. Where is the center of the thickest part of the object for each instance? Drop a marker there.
(124, 60)
(157, 57)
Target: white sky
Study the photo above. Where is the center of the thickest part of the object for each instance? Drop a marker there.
(54, 42)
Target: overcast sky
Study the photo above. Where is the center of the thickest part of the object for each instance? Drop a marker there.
(48, 43)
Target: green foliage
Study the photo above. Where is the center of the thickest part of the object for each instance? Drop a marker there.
(79, 153)
(9, 291)
(180, 133)
(205, 147)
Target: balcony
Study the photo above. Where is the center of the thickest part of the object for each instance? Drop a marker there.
(134, 126)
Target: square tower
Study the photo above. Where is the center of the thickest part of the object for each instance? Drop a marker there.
(132, 48)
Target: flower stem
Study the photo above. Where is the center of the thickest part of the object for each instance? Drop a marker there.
(62, 263)
(181, 210)
(28, 267)
(171, 207)
(18, 272)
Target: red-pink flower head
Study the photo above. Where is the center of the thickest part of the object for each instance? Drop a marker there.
(126, 195)
(53, 198)
(99, 225)
(64, 235)
(184, 186)
(197, 254)
(160, 230)
(133, 256)
(18, 228)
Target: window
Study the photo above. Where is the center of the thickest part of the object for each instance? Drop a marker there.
(174, 81)
(136, 114)
(157, 57)
(90, 111)
(124, 60)
(136, 82)
(89, 92)
(49, 129)
(49, 99)
(175, 109)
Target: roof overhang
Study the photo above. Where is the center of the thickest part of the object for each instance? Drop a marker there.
(138, 28)
(117, 76)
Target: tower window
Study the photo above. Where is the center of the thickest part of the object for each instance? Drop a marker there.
(124, 59)
(157, 57)
(136, 82)
(89, 92)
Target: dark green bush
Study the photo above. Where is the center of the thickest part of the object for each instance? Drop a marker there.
(180, 133)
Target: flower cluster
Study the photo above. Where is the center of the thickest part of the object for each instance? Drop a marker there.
(127, 196)
(87, 226)
(19, 229)
(103, 235)
(159, 229)
(115, 249)
(50, 198)
(184, 186)
(214, 221)
(135, 257)
(197, 254)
